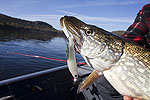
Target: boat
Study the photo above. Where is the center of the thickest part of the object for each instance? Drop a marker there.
(51, 84)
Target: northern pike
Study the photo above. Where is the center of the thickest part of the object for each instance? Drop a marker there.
(124, 64)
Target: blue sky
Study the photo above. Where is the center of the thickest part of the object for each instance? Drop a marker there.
(108, 14)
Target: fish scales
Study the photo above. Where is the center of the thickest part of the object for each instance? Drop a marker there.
(132, 69)
(141, 53)
(131, 72)
(125, 64)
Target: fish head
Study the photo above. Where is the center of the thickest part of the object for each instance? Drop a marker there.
(98, 47)
(74, 28)
(86, 37)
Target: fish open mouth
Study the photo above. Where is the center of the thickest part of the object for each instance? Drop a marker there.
(72, 28)
(64, 28)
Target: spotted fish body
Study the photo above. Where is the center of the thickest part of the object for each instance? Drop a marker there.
(131, 74)
(124, 64)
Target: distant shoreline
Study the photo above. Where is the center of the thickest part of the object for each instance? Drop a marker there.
(8, 22)
(23, 29)
(20, 33)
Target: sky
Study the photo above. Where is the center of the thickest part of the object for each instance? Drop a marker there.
(110, 15)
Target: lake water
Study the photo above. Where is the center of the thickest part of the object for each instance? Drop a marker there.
(12, 65)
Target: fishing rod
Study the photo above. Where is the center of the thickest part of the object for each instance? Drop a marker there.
(44, 57)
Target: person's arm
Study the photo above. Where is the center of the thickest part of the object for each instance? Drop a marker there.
(137, 31)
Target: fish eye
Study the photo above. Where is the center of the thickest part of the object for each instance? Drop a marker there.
(89, 32)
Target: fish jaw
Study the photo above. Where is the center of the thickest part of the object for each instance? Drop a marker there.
(72, 30)
(64, 27)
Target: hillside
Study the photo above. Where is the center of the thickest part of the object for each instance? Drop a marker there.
(7, 22)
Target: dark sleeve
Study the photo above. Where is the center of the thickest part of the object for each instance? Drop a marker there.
(137, 31)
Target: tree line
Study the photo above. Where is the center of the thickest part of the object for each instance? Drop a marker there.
(7, 21)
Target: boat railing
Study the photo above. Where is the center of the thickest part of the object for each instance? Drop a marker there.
(31, 75)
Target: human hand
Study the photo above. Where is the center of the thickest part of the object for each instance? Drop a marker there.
(130, 98)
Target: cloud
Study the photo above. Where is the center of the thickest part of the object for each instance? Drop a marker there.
(102, 19)
(40, 17)
(19, 3)
(104, 3)
(14, 5)
(105, 22)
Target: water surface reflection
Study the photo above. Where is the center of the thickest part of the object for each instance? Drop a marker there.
(12, 65)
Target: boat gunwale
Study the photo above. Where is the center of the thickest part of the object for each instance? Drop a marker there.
(31, 75)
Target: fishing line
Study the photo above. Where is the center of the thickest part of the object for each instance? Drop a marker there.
(44, 57)
(2, 66)
(58, 56)
(10, 91)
